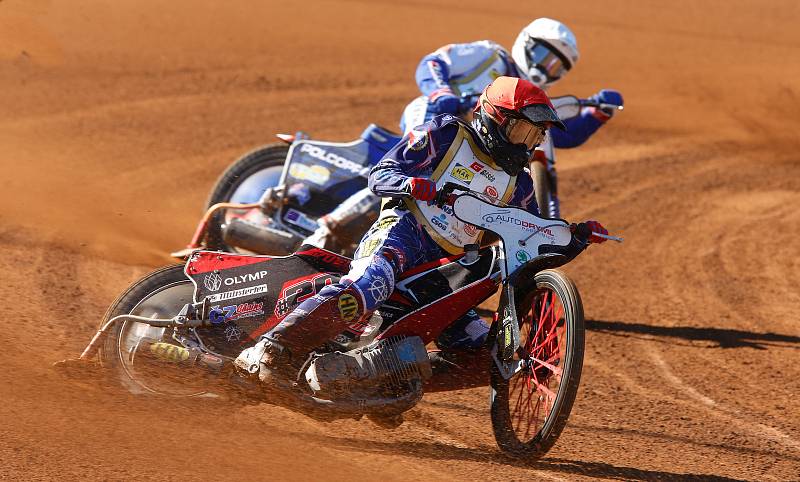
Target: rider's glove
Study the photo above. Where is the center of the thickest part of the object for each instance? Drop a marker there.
(421, 188)
(444, 101)
(596, 228)
(605, 96)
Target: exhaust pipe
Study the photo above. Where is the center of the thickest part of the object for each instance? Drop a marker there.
(259, 239)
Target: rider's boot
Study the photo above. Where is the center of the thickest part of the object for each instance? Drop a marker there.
(280, 353)
(267, 360)
(458, 369)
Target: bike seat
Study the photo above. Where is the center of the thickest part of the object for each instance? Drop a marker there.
(380, 137)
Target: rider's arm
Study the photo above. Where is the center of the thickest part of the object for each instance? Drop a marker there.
(579, 130)
(416, 155)
(433, 72)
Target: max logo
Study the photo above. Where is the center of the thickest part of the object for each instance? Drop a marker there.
(462, 174)
(348, 307)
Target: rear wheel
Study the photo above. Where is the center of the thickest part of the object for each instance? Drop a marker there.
(244, 182)
(530, 410)
(541, 187)
(128, 348)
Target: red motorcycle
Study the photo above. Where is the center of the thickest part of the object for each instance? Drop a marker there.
(177, 331)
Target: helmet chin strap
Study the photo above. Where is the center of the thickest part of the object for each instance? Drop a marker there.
(510, 158)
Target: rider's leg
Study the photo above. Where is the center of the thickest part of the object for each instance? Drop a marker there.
(340, 307)
(361, 207)
(463, 359)
(393, 244)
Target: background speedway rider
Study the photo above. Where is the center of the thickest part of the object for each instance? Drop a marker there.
(543, 53)
(510, 119)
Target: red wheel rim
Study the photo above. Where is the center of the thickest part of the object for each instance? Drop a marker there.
(532, 391)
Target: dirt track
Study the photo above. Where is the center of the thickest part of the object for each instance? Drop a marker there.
(114, 122)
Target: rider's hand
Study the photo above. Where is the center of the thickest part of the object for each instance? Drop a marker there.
(597, 228)
(605, 96)
(421, 188)
(444, 101)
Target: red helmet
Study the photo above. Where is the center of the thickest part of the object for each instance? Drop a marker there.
(512, 117)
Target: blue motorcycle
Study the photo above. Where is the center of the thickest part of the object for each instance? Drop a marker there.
(270, 199)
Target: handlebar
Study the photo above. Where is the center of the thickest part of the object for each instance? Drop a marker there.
(599, 105)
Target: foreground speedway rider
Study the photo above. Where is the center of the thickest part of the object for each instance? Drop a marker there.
(510, 119)
(543, 53)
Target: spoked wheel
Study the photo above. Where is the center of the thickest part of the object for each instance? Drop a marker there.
(530, 410)
(144, 359)
(244, 182)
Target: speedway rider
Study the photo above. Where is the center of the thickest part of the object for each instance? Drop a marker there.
(451, 78)
(511, 118)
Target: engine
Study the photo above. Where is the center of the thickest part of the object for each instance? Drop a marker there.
(390, 363)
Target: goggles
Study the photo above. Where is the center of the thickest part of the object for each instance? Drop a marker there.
(540, 55)
(522, 131)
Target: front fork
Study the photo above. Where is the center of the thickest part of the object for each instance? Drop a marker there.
(507, 338)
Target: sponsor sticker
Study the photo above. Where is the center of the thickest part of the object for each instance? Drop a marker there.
(348, 307)
(212, 281)
(227, 295)
(417, 140)
(470, 230)
(369, 246)
(440, 221)
(334, 159)
(315, 174)
(523, 256)
(234, 312)
(233, 333)
(491, 192)
(462, 173)
(299, 219)
(505, 217)
(386, 223)
(476, 166)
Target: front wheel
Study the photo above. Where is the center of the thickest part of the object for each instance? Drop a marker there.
(530, 410)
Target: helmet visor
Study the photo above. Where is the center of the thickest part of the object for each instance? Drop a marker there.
(538, 113)
(542, 56)
(522, 131)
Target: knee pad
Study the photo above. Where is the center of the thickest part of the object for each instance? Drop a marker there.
(373, 277)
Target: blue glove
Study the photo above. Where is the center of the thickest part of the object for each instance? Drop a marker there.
(608, 96)
(444, 101)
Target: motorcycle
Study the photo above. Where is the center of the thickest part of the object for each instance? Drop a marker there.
(177, 331)
(270, 199)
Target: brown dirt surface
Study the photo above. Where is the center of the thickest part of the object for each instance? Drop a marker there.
(116, 118)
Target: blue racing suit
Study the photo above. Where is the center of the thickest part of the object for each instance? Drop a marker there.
(395, 243)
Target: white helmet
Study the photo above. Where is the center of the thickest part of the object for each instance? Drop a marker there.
(544, 51)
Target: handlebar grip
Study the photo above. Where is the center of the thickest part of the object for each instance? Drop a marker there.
(445, 194)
